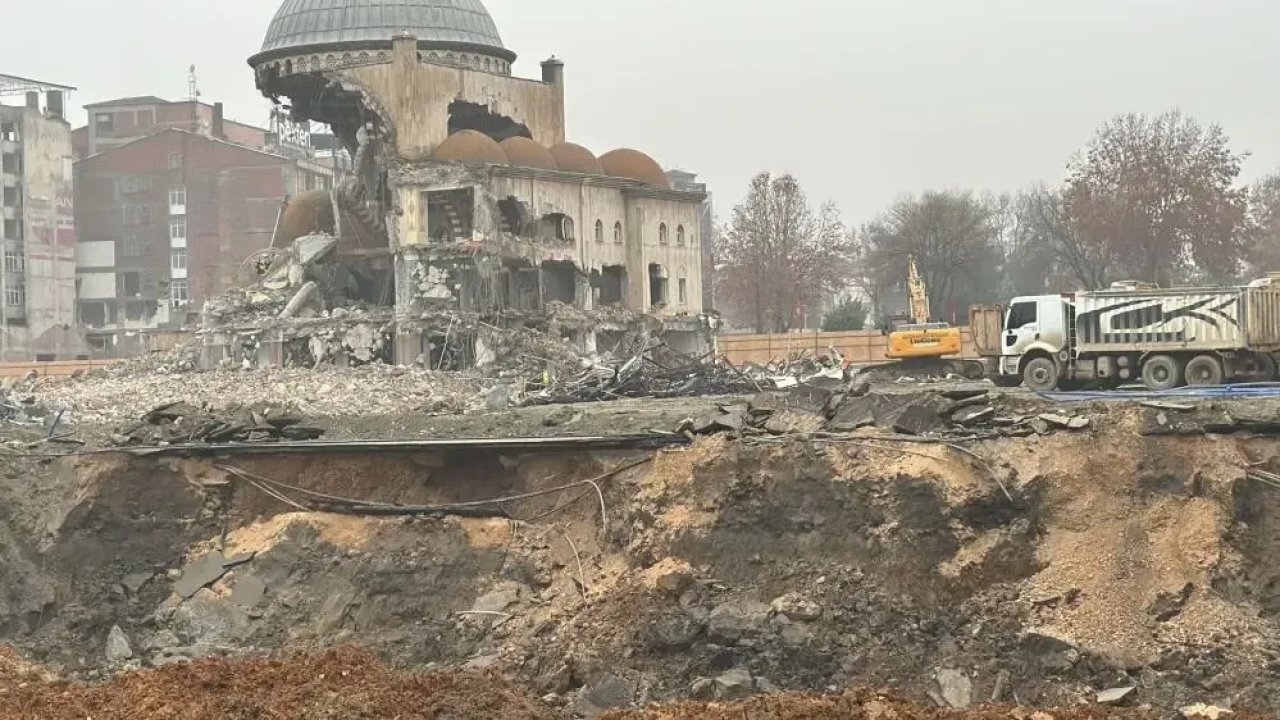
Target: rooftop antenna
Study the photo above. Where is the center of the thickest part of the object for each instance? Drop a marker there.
(193, 89)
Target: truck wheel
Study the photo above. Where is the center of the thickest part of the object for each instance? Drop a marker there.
(1162, 372)
(1204, 370)
(1040, 374)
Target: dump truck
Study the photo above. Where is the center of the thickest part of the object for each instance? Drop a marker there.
(1132, 332)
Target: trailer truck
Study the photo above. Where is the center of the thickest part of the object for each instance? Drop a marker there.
(1164, 338)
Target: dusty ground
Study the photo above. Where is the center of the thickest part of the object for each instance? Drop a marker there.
(347, 683)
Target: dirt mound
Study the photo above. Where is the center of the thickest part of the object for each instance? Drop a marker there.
(342, 683)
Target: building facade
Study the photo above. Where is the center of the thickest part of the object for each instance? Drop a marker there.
(167, 221)
(114, 123)
(688, 182)
(37, 285)
(467, 199)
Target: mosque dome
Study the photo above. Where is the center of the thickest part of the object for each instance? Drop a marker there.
(470, 147)
(635, 165)
(306, 26)
(526, 153)
(575, 158)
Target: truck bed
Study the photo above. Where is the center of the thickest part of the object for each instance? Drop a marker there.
(1189, 319)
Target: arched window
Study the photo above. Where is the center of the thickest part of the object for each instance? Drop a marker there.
(288, 67)
(663, 235)
(682, 287)
(680, 235)
(617, 232)
(488, 65)
(599, 231)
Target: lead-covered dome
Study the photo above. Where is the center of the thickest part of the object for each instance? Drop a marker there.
(302, 26)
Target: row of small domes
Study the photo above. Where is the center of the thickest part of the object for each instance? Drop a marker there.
(471, 146)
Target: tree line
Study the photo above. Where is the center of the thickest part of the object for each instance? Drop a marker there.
(1153, 198)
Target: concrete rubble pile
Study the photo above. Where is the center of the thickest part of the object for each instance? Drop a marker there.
(636, 372)
(371, 390)
(286, 283)
(180, 422)
(825, 404)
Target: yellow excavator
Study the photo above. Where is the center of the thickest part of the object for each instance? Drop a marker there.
(924, 348)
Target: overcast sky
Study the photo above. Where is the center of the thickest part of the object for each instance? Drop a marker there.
(863, 101)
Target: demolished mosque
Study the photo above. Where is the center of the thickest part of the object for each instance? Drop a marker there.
(468, 213)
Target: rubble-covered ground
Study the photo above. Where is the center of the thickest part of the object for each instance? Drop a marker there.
(1037, 564)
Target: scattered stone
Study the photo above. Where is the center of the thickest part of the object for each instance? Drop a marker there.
(496, 601)
(1040, 426)
(676, 631)
(716, 424)
(559, 681)
(795, 421)
(855, 413)
(208, 619)
(734, 685)
(118, 649)
(1168, 606)
(955, 688)
(1079, 423)
(606, 693)
(249, 591)
(1207, 712)
(973, 415)
(702, 689)
(1116, 696)
(497, 399)
(1055, 420)
(735, 620)
(920, 419)
(205, 571)
(134, 582)
(958, 405)
(1001, 686)
(796, 607)
(482, 662)
(564, 415)
(1050, 652)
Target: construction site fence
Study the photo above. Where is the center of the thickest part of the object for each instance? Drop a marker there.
(857, 347)
(56, 368)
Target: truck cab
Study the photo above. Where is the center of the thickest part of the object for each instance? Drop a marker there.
(1037, 327)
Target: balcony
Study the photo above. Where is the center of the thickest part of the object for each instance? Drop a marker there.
(177, 209)
(178, 243)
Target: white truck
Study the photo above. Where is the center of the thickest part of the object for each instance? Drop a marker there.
(1164, 337)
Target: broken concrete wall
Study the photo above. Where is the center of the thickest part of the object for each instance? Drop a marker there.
(416, 96)
(343, 341)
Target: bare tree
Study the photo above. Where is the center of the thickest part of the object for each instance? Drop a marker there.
(778, 256)
(954, 237)
(1264, 212)
(1045, 252)
(1156, 197)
